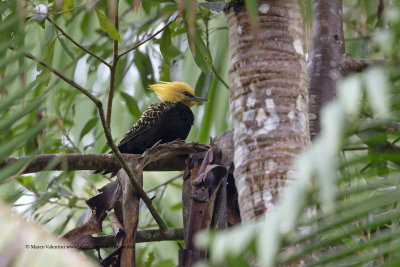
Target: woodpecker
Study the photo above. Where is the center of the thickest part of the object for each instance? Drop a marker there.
(166, 121)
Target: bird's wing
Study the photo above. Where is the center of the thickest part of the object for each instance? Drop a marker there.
(154, 114)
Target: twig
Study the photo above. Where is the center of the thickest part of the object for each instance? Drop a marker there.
(77, 44)
(152, 235)
(63, 77)
(165, 183)
(219, 77)
(67, 205)
(113, 69)
(208, 47)
(60, 12)
(21, 171)
(171, 19)
(65, 133)
(354, 148)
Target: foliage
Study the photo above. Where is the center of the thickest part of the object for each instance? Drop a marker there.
(40, 113)
(342, 206)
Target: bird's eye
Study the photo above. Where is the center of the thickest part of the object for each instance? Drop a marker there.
(186, 94)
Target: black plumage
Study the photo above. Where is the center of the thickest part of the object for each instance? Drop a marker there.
(169, 120)
(164, 122)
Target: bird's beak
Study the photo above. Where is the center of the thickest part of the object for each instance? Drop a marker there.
(199, 99)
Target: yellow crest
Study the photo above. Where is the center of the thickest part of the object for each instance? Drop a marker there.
(176, 92)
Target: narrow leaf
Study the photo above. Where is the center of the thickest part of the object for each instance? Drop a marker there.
(131, 105)
(107, 26)
(46, 56)
(201, 55)
(88, 126)
(251, 6)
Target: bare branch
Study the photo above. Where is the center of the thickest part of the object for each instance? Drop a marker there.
(350, 64)
(78, 45)
(74, 162)
(165, 183)
(63, 77)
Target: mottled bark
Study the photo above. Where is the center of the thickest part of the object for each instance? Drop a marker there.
(130, 208)
(326, 52)
(268, 101)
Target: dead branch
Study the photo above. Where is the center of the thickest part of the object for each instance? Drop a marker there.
(74, 162)
(130, 211)
(106, 241)
(350, 64)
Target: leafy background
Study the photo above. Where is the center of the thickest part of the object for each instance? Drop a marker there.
(356, 190)
(66, 121)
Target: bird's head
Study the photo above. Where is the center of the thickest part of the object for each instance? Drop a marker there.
(176, 92)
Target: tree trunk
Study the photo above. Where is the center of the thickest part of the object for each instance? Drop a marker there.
(268, 101)
(326, 53)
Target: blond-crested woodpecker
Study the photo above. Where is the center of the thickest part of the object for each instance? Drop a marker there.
(169, 120)
(166, 121)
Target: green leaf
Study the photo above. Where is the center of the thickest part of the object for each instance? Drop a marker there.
(131, 104)
(47, 56)
(145, 68)
(150, 259)
(107, 26)
(120, 71)
(12, 169)
(66, 48)
(201, 55)
(213, 6)
(251, 6)
(88, 126)
(10, 100)
(203, 84)
(177, 206)
(68, 4)
(20, 140)
(27, 182)
(306, 9)
(45, 198)
(16, 115)
(60, 229)
(165, 42)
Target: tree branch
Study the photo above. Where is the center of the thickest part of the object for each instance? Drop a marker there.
(327, 48)
(77, 44)
(63, 77)
(350, 64)
(113, 69)
(171, 19)
(74, 162)
(153, 235)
